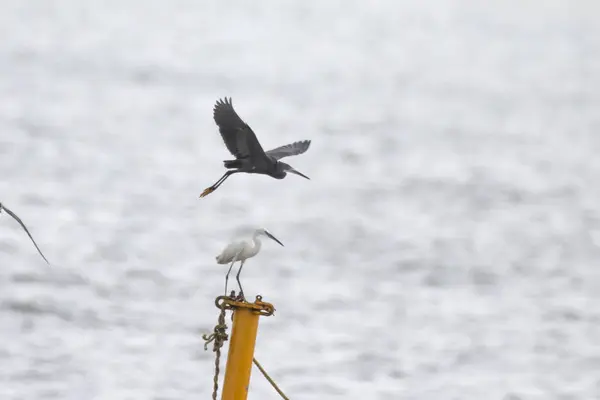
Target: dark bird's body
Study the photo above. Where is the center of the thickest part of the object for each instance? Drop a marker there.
(245, 147)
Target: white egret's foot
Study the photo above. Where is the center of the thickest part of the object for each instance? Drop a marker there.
(240, 296)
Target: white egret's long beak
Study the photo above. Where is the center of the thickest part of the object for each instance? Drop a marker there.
(274, 238)
(293, 171)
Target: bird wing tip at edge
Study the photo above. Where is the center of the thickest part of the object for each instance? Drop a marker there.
(223, 101)
(20, 222)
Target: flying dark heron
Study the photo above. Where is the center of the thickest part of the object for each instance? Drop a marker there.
(12, 214)
(249, 154)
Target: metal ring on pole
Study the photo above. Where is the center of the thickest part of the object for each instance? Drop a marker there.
(260, 307)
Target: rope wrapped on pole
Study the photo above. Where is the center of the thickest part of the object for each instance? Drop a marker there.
(218, 338)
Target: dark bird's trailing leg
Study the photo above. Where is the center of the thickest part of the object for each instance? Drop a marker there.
(218, 183)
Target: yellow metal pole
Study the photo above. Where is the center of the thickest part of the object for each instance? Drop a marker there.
(241, 347)
(241, 352)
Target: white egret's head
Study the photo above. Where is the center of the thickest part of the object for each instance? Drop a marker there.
(265, 232)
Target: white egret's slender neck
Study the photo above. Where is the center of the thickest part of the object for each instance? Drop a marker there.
(257, 243)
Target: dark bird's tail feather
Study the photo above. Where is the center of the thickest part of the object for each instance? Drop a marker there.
(232, 164)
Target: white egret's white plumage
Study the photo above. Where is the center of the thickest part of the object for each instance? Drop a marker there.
(241, 250)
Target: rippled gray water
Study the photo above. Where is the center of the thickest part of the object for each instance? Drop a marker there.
(447, 246)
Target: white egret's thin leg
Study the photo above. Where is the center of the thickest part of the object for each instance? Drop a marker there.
(227, 276)
(237, 277)
(235, 258)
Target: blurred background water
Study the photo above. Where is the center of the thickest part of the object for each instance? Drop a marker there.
(447, 246)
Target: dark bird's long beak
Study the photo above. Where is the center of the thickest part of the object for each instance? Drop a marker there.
(12, 214)
(274, 238)
(293, 171)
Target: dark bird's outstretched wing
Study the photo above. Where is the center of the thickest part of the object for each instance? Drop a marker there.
(289, 149)
(12, 214)
(237, 135)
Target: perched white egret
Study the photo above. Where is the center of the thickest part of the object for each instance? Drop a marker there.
(241, 250)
